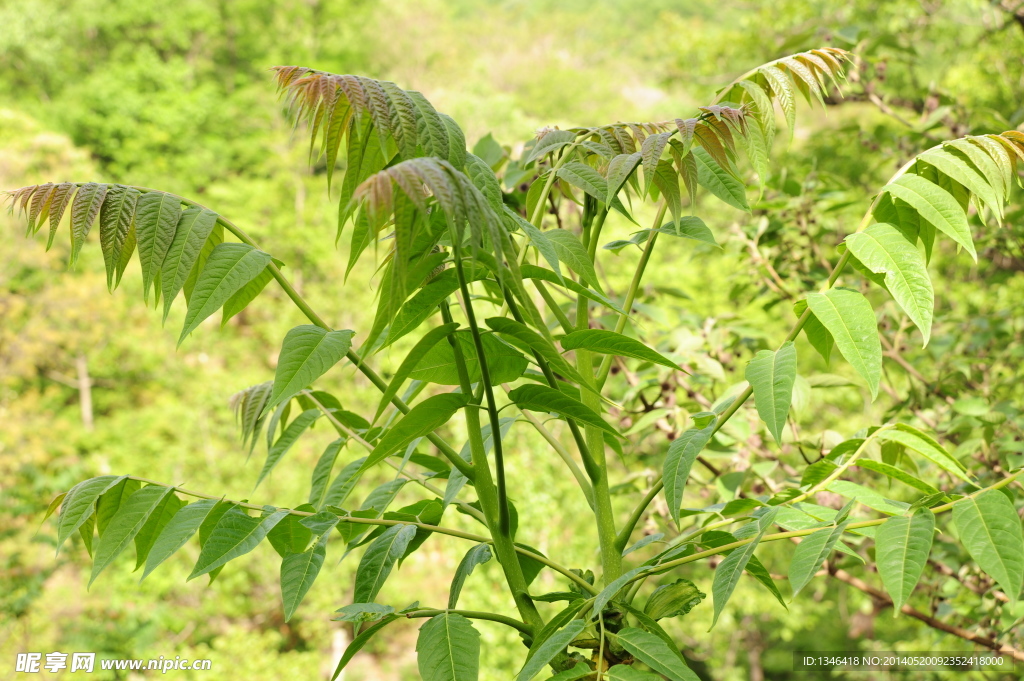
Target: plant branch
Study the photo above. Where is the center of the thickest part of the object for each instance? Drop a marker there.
(664, 567)
(475, 615)
(794, 332)
(479, 538)
(312, 316)
(883, 599)
(634, 286)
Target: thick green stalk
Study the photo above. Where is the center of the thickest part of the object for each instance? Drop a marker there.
(611, 558)
(504, 546)
(476, 615)
(485, 379)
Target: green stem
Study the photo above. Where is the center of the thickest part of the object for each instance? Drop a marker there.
(504, 546)
(611, 558)
(595, 233)
(634, 287)
(581, 443)
(552, 304)
(476, 615)
(492, 408)
(564, 455)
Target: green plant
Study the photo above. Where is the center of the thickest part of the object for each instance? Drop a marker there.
(461, 246)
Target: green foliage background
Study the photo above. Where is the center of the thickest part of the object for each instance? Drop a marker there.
(181, 100)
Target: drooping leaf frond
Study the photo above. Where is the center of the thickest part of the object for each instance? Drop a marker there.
(743, 115)
(175, 239)
(337, 108)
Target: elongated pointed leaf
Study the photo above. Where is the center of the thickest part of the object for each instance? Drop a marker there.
(848, 316)
(884, 250)
(990, 530)
(478, 555)
(298, 572)
(718, 180)
(291, 535)
(811, 553)
(728, 572)
(570, 251)
(772, 374)
(902, 545)
(577, 672)
(288, 438)
(343, 484)
(307, 353)
(534, 272)
(421, 420)
(528, 340)
(611, 343)
(620, 169)
(611, 591)
(379, 559)
(438, 365)
(937, 206)
(80, 504)
(448, 649)
(111, 502)
(623, 672)
(755, 568)
(181, 527)
(655, 653)
(322, 473)
(959, 169)
(235, 535)
(897, 474)
(538, 240)
(689, 227)
(156, 221)
(216, 237)
(116, 220)
(193, 228)
(84, 210)
(127, 523)
(359, 641)
(543, 398)
(229, 267)
(914, 439)
(158, 519)
(681, 454)
(411, 360)
(546, 651)
(551, 141)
